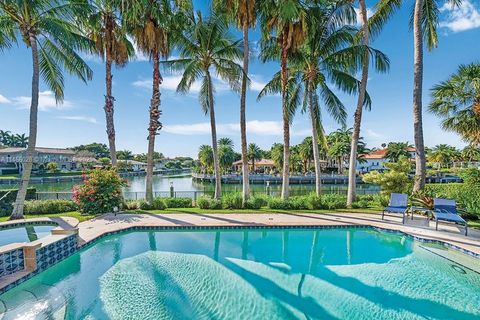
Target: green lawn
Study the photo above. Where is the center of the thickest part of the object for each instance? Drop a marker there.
(9, 177)
(73, 214)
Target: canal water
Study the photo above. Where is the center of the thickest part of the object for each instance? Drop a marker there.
(186, 183)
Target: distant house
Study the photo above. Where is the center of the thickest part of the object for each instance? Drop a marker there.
(66, 159)
(261, 165)
(133, 165)
(375, 160)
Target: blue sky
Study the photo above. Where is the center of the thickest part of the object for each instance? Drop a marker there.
(80, 119)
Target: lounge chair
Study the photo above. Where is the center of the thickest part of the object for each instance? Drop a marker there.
(398, 204)
(446, 210)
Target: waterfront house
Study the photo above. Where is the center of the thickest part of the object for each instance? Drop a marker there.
(375, 160)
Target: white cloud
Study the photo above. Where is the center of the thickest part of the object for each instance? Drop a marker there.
(464, 17)
(256, 83)
(79, 118)
(46, 102)
(4, 99)
(170, 83)
(255, 127)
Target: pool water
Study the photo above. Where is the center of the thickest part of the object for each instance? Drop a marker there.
(25, 233)
(344, 273)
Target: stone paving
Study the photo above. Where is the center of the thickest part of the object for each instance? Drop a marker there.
(419, 226)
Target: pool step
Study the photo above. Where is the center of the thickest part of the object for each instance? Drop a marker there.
(45, 302)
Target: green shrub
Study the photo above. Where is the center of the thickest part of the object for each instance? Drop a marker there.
(278, 204)
(395, 179)
(159, 204)
(256, 202)
(131, 205)
(334, 201)
(298, 203)
(9, 196)
(466, 195)
(144, 205)
(100, 192)
(33, 207)
(178, 202)
(314, 202)
(232, 201)
(209, 203)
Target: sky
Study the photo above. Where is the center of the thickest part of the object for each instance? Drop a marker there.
(81, 119)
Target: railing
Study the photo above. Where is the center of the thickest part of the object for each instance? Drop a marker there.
(137, 195)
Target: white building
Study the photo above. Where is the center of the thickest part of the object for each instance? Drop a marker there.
(375, 160)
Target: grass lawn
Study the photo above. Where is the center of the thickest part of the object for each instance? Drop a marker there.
(73, 214)
(9, 177)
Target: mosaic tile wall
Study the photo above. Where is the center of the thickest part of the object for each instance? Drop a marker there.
(55, 252)
(11, 262)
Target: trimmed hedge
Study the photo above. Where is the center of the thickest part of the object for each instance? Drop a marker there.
(34, 207)
(178, 202)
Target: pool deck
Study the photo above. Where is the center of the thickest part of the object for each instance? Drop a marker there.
(418, 227)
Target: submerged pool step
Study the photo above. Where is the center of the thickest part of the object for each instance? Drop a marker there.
(456, 257)
(45, 301)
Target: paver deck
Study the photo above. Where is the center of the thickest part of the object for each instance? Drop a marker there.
(419, 226)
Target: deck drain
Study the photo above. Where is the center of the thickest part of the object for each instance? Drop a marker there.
(458, 269)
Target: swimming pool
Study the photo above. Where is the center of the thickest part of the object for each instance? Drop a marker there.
(24, 233)
(335, 273)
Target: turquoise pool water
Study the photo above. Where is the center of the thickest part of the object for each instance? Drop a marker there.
(26, 233)
(252, 274)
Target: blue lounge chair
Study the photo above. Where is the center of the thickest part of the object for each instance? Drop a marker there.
(398, 204)
(446, 210)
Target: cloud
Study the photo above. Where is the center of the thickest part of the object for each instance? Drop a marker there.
(256, 83)
(4, 99)
(170, 83)
(79, 118)
(464, 17)
(46, 102)
(256, 127)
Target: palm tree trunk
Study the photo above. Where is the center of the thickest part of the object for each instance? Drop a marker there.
(213, 126)
(286, 122)
(352, 169)
(109, 107)
(243, 122)
(420, 161)
(154, 124)
(32, 138)
(316, 153)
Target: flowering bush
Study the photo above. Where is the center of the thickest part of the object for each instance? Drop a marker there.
(100, 192)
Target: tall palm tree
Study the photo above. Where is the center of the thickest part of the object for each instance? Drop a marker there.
(243, 13)
(339, 146)
(457, 102)
(305, 151)
(207, 47)
(226, 154)
(254, 153)
(327, 56)
(283, 31)
(48, 30)
(471, 153)
(357, 118)
(154, 24)
(424, 21)
(112, 45)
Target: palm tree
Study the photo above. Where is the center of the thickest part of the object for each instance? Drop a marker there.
(339, 146)
(153, 24)
(443, 154)
(48, 30)
(111, 44)
(305, 151)
(457, 102)
(243, 13)
(254, 153)
(283, 31)
(471, 153)
(327, 56)
(124, 155)
(205, 156)
(226, 154)
(276, 153)
(205, 47)
(425, 20)
(395, 150)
